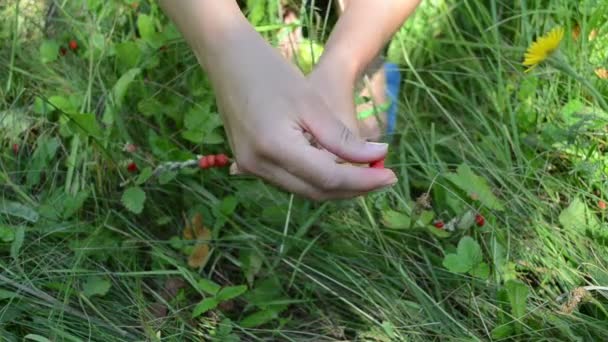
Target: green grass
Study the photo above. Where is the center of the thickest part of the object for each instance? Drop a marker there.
(76, 264)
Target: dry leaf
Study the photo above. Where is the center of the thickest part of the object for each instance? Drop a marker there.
(576, 32)
(601, 73)
(196, 230)
(592, 34)
(199, 256)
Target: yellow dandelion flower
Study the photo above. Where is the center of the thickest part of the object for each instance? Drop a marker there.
(543, 47)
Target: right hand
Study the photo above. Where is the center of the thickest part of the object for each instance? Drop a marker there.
(268, 107)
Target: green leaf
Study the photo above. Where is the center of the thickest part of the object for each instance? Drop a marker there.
(389, 329)
(84, 124)
(7, 234)
(258, 318)
(128, 54)
(204, 306)
(18, 210)
(570, 110)
(166, 177)
(149, 107)
(5, 294)
(528, 87)
(145, 25)
(456, 263)
(96, 286)
(208, 286)
(36, 338)
(470, 183)
(144, 175)
(470, 249)
(45, 152)
(577, 216)
(251, 264)
(228, 205)
(61, 103)
(13, 123)
(120, 88)
(256, 11)
(518, 295)
(231, 292)
(467, 220)
(468, 256)
(440, 233)
(395, 220)
(49, 51)
(481, 270)
(502, 331)
(133, 199)
(72, 204)
(17, 242)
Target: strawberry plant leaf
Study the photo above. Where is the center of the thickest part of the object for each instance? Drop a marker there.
(469, 248)
(128, 54)
(481, 270)
(17, 242)
(456, 263)
(395, 220)
(204, 306)
(258, 318)
(133, 199)
(144, 175)
(120, 88)
(577, 216)
(518, 295)
(209, 286)
(231, 292)
(7, 234)
(96, 286)
(469, 182)
(49, 51)
(18, 210)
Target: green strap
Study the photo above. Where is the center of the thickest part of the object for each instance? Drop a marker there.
(374, 111)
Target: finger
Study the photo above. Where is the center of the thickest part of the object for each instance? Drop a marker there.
(275, 175)
(319, 168)
(334, 136)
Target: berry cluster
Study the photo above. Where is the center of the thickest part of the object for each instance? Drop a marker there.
(217, 160)
(72, 44)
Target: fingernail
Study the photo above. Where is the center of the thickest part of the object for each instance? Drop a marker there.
(378, 146)
(392, 181)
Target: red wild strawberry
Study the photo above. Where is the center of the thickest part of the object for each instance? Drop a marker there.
(601, 204)
(211, 160)
(203, 162)
(439, 224)
(63, 51)
(132, 167)
(480, 220)
(16, 149)
(378, 164)
(73, 45)
(221, 160)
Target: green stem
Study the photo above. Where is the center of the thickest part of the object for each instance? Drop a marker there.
(562, 64)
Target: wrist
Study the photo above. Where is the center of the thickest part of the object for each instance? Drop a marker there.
(341, 62)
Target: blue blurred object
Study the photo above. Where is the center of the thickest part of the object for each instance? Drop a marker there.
(393, 86)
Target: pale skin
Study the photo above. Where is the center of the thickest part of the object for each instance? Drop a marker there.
(270, 109)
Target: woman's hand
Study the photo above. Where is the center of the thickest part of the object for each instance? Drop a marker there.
(269, 108)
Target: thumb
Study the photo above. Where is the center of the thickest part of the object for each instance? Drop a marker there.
(334, 136)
